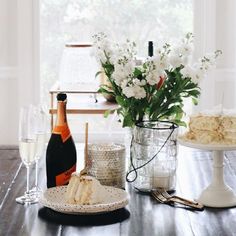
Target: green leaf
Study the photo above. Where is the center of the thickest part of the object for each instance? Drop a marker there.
(121, 101)
(98, 73)
(119, 111)
(103, 89)
(128, 122)
(137, 72)
(194, 93)
(195, 101)
(107, 113)
(190, 85)
(180, 123)
(108, 67)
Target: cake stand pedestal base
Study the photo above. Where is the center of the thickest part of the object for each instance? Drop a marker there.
(218, 193)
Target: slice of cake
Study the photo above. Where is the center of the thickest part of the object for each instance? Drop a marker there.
(204, 123)
(212, 129)
(228, 128)
(72, 188)
(84, 190)
(228, 123)
(204, 136)
(89, 191)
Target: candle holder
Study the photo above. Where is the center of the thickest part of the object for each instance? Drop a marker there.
(106, 162)
(153, 156)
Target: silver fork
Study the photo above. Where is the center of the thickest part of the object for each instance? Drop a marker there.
(168, 196)
(162, 196)
(159, 197)
(186, 201)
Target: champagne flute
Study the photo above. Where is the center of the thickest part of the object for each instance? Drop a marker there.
(40, 131)
(27, 148)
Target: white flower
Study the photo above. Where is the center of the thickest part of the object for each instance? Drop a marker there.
(136, 82)
(151, 79)
(159, 62)
(199, 73)
(154, 77)
(166, 58)
(134, 91)
(192, 72)
(183, 50)
(143, 82)
(124, 83)
(128, 91)
(139, 92)
(188, 71)
(139, 82)
(164, 63)
(101, 57)
(168, 71)
(187, 50)
(185, 60)
(113, 57)
(176, 50)
(102, 48)
(119, 76)
(122, 71)
(175, 60)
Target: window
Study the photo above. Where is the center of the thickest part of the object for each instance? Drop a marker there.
(63, 21)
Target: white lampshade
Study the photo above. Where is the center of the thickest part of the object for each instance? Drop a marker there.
(78, 68)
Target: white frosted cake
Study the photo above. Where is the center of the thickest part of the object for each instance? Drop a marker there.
(84, 190)
(207, 129)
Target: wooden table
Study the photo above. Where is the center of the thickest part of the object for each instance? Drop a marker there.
(80, 104)
(147, 217)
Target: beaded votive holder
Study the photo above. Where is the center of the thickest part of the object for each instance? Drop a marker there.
(106, 162)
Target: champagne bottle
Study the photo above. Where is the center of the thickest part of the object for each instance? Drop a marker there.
(61, 151)
(150, 48)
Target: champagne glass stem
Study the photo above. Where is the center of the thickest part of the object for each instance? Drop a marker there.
(36, 173)
(27, 180)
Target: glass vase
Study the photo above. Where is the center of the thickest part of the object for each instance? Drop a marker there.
(153, 156)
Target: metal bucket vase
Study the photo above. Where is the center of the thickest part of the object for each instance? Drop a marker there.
(153, 156)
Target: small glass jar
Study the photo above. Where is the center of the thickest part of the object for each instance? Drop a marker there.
(153, 160)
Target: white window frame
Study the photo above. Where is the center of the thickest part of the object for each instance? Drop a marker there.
(219, 86)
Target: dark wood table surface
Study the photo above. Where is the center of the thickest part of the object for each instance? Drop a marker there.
(147, 217)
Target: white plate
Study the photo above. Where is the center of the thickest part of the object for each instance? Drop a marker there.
(210, 147)
(54, 198)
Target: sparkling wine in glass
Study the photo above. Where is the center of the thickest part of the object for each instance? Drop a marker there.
(27, 148)
(40, 131)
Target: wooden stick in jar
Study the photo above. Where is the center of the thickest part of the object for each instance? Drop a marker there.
(85, 170)
(86, 145)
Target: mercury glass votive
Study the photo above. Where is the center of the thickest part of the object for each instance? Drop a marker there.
(106, 162)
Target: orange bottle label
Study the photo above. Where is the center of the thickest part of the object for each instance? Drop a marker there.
(64, 131)
(64, 177)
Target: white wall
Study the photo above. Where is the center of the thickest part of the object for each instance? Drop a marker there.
(8, 72)
(19, 83)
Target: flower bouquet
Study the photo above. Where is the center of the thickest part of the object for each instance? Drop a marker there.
(154, 88)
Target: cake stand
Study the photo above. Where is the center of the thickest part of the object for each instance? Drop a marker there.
(218, 193)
